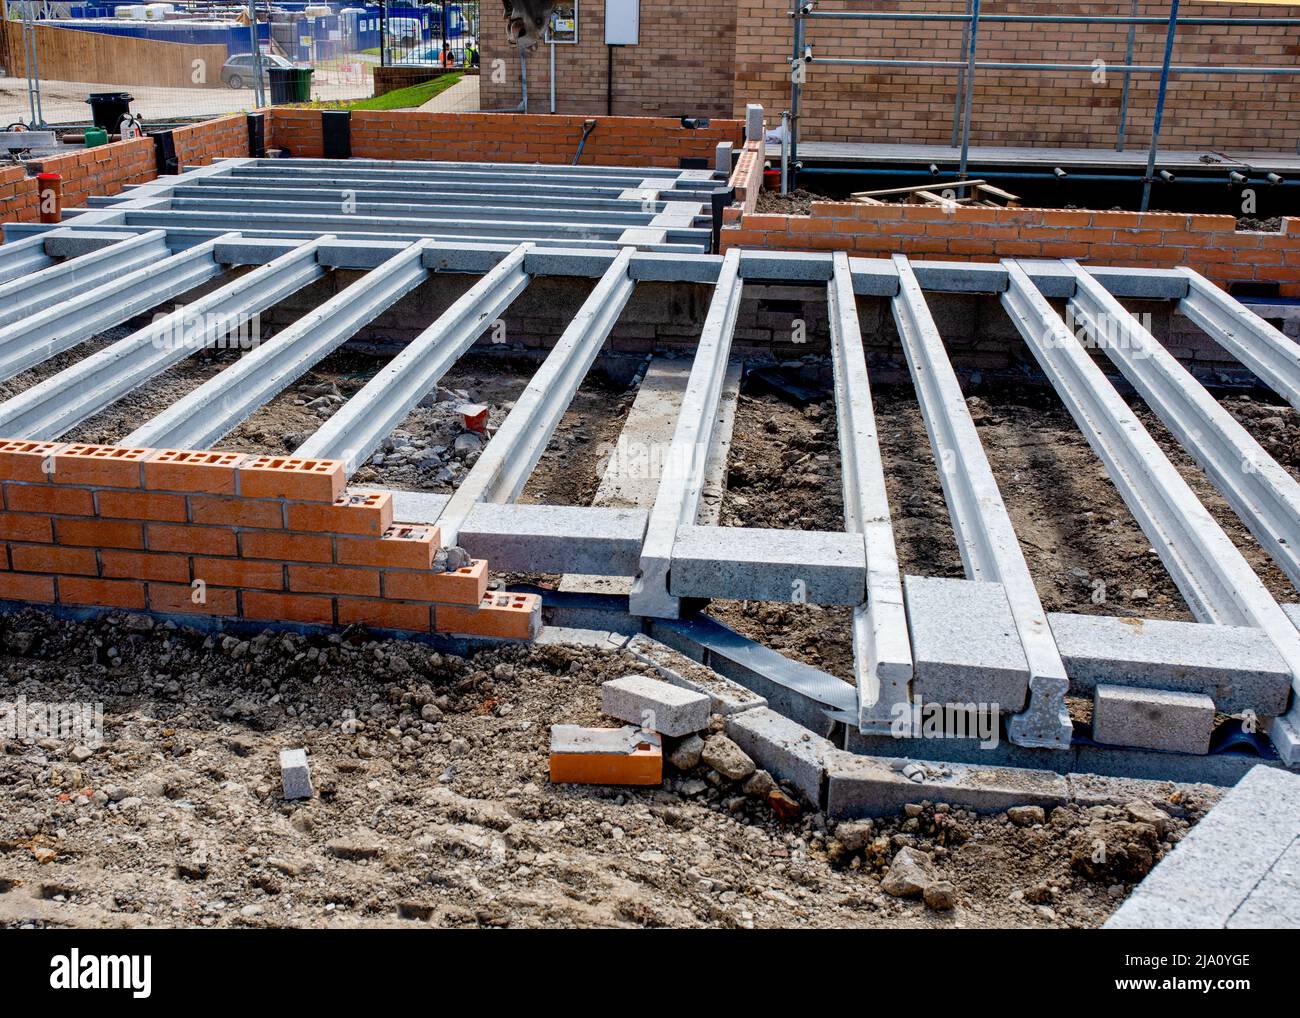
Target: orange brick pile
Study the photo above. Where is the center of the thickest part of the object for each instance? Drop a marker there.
(227, 535)
(1211, 245)
(504, 137)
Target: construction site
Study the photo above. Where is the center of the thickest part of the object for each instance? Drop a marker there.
(735, 466)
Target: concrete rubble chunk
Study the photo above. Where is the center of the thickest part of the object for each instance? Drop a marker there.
(866, 786)
(787, 750)
(655, 705)
(965, 645)
(726, 697)
(1152, 719)
(295, 774)
(1239, 868)
(728, 759)
(909, 874)
(687, 754)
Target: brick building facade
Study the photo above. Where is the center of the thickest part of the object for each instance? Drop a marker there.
(711, 59)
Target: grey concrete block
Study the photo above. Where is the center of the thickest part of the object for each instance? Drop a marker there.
(725, 697)
(1236, 666)
(786, 750)
(655, 705)
(789, 266)
(791, 566)
(1210, 880)
(754, 122)
(965, 646)
(1152, 719)
(295, 774)
(866, 786)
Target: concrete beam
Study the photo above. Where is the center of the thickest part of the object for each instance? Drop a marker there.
(882, 654)
(989, 548)
(503, 468)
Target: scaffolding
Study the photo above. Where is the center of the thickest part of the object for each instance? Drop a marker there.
(803, 55)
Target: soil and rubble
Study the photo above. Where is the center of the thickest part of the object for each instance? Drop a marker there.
(432, 803)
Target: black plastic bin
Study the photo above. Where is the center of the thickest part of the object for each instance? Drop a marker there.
(283, 82)
(108, 108)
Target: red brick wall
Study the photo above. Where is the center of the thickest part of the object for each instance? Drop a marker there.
(229, 536)
(747, 179)
(1026, 107)
(1209, 244)
(107, 169)
(682, 66)
(504, 137)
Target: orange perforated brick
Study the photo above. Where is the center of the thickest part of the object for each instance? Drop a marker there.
(99, 533)
(15, 527)
(334, 580)
(605, 756)
(237, 512)
(141, 505)
(286, 547)
(25, 587)
(139, 565)
(28, 461)
(499, 616)
(49, 498)
(238, 572)
(369, 514)
(464, 586)
(402, 546)
(184, 470)
(27, 558)
(104, 593)
(384, 614)
(197, 598)
(288, 607)
(193, 540)
(286, 477)
(104, 466)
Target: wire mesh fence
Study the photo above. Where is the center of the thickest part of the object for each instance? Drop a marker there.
(203, 58)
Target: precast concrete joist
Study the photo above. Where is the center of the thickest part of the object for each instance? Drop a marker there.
(26, 295)
(503, 468)
(361, 424)
(1258, 488)
(986, 538)
(31, 340)
(1213, 577)
(19, 258)
(60, 402)
(213, 409)
(882, 653)
(1259, 346)
(677, 502)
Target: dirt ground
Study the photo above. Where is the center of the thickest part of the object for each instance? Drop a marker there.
(433, 803)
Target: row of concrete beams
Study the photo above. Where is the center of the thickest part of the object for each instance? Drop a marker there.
(313, 337)
(52, 407)
(882, 652)
(987, 540)
(1214, 578)
(291, 195)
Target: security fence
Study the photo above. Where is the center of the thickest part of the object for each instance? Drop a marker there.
(192, 59)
